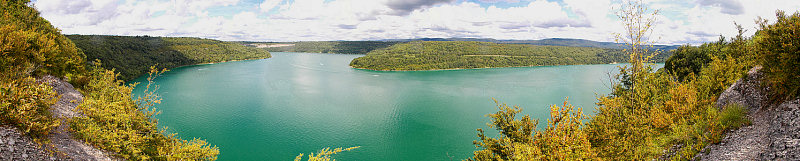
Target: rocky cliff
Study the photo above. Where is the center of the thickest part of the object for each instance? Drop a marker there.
(775, 130)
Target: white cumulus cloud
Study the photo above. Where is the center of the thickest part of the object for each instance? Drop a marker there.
(319, 20)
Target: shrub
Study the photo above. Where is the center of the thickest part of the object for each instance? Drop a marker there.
(779, 51)
(115, 122)
(30, 44)
(688, 60)
(31, 47)
(25, 103)
(324, 154)
(563, 139)
(733, 116)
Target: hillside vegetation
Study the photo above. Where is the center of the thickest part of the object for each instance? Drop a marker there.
(655, 115)
(337, 47)
(433, 55)
(112, 120)
(546, 42)
(132, 56)
(31, 48)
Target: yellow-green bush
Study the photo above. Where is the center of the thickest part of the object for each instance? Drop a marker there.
(649, 112)
(563, 139)
(629, 119)
(25, 103)
(324, 154)
(779, 50)
(115, 122)
(30, 47)
(29, 42)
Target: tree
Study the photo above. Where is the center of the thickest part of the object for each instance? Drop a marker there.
(563, 139)
(622, 128)
(637, 21)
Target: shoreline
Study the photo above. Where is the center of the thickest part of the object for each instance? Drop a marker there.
(449, 69)
(188, 65)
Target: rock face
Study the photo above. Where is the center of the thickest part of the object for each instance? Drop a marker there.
(775, 130)
(15, 146)
(62, 146)
(785, 133)
(748, 92)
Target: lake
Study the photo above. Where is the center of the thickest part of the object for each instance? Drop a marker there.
(276, 108)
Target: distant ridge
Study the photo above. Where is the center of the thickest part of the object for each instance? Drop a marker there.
(549, 41)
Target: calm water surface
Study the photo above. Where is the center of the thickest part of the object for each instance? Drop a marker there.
(274, 109)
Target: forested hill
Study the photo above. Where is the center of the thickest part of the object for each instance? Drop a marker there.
(338, 47)
(363, 47)
(550, 42)
(132, 56)
(433, 55)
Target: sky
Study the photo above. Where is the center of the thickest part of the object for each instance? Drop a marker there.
(678, 22)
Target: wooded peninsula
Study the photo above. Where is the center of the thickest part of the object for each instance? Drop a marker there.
(437, 55)
(132, 56)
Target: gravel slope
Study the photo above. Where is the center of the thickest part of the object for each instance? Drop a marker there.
(775, 130)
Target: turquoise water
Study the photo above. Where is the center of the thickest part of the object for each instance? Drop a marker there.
(274, 109)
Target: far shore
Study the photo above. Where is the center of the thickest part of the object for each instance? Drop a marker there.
(614, 63)
(464, 68)
(271, 45)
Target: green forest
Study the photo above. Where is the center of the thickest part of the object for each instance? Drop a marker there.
(336, 47)
(546, 42)
(433, 55)
(132, 56)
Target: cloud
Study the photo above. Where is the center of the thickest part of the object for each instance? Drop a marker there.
(320, 20)
(563, 23)
(67, 7)
(95, 11)
(515, 26)
(343, 26)
(403, 7)
(495, 1)
(732, 7)
(701, 33)
(268, 5)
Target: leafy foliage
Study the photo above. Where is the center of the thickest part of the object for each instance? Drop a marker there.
(688, 60)
(115, 122)
(431, 55)
(25, 103)
(647, 112)
(133, 55)
(563, 139)
(29, 48)
(779, 51)
(324, 154)
(30, 45)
